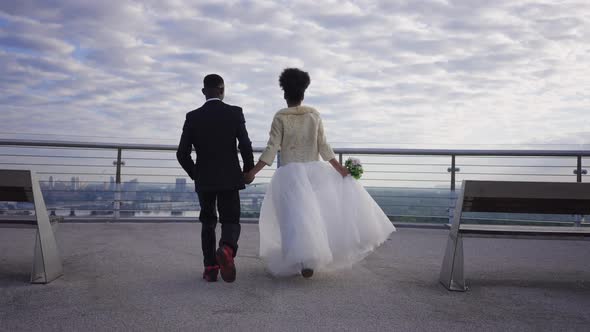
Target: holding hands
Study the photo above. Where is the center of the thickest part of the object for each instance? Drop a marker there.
(249, 177)
(251, 174)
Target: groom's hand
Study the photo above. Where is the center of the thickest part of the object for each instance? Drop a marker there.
(248, 177)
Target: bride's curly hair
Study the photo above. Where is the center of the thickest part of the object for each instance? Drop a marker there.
(294, 81)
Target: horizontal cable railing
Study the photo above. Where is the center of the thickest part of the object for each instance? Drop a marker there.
(112, 180)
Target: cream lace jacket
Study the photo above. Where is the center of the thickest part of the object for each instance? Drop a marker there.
(298, 133)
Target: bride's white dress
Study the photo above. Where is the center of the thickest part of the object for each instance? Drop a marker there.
(313, 217)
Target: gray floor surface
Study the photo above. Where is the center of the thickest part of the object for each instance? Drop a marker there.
(146, 277)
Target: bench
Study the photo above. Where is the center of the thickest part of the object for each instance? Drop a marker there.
(23, 186)
(512, 197)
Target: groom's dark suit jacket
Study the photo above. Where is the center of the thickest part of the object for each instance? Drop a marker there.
(212, 130)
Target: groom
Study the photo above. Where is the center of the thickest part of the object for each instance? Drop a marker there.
(212, 130)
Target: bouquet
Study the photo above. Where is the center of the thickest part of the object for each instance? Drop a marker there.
(354, 167)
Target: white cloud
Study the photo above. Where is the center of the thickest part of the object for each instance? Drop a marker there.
(426, 72)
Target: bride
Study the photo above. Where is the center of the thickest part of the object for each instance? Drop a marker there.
(313, 217)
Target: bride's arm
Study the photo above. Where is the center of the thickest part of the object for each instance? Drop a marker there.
(274, 141)
(326, 151)
(324, 147)
(272, 147)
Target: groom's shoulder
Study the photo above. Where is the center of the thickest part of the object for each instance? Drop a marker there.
(193, 113)
(218, 106)
(234, 111)
(233, 107)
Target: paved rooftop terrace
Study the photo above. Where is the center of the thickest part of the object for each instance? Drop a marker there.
(146, 277)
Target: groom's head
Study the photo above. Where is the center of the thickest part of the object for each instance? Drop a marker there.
(213, 86)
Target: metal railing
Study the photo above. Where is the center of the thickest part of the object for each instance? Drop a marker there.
(411, 185)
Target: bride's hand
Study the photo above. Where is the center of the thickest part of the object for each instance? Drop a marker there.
(343, 171)
(339, 168)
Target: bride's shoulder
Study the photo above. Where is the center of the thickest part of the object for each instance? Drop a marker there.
(298, 110)
(282, 111)
(312, 110)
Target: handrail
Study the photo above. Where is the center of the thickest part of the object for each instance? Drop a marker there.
(453, 170)
(364, 151)
(466, 152)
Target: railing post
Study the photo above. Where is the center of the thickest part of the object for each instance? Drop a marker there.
(579, 172)
(340, 158)
(117, 202)
(452, 195)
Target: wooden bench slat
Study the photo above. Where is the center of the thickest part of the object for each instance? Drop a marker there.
(508, 230)
(533, 190)
(11, 221)
(16, 194)
(526, 205)
(16, 178)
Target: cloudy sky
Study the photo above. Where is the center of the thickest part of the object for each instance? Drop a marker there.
(415, 73)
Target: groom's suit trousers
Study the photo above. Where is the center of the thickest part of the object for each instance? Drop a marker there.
(228, 205)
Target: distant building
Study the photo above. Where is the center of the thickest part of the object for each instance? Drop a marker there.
(130, 190)
(131, 185)
(74, 181)
(180, 185)
(60, 185)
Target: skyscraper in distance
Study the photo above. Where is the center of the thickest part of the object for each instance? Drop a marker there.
(180, 185)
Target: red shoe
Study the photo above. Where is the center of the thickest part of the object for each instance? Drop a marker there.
(225, 259)
(210, 273)
(307, 273)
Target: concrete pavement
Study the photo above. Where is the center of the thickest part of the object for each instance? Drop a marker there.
(146, 277)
